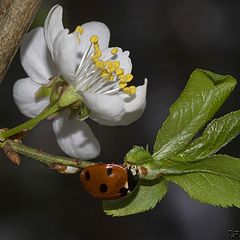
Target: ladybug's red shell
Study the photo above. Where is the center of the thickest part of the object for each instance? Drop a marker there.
(108, 181)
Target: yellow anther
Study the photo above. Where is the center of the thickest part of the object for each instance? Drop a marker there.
(111, 77)
(114, 51)
(126, 78)
(129, 77)
(112, 69)
(100, 64)
(79, 29)
(119, 71)
(104, 70)
(122, 78)
(98, 53)
(109, 64)
(116, 64)
(130, 90)
(94, 39)
(122, 85)
(96, 46)
(105, 75)
(94, 58)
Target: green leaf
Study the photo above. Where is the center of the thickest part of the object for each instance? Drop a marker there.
(216, 135)
(222, 165)
(214, 180)
(209, 188)
(144, 198)
(203, 95)
(138, 155)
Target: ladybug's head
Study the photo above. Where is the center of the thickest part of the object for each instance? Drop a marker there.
(133, 177)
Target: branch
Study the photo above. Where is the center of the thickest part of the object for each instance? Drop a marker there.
(16, 17)
(12, 147)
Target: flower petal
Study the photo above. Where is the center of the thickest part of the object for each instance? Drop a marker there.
(53, 25)
(65, 54)
(75, 137)
(24, 95)
(134, 106)
(137, 101)
(36, 58)
(94, 28)
(122, 57)
(104, 107)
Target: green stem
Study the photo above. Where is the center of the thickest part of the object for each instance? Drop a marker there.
(48, 111)
(46, 158)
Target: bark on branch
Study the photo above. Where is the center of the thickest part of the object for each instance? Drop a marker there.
(16, 17)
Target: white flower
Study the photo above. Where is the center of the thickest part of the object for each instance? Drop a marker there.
(99, 74)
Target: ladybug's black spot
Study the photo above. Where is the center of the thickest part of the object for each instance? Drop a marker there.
(123, 191)
(109, 171)
(103, 188)
(87, 176)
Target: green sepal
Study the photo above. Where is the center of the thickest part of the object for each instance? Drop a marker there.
(203, 95)
(54, 95)
(69, 96)
(83, 113)
(50, 89)
(43, 91)
(142, 199)
(56, 81)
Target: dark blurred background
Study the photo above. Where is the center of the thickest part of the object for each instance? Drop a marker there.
(167, 41)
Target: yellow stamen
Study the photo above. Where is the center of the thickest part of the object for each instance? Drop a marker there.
(94, 58)
(129, 77)
(123, 81)
(119, 71)
(105, 75)
(130, 90)
(98, 53)
(122, 78)
(79, 29)
(117, 64)
(96, 46)
(94, 39)
(100, 64)
(112, 69)
(111, 77)
(114, 51)
(109, 64)
(122, 85)
(126, 78)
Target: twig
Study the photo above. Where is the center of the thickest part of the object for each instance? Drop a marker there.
(16, 17)
(43, 157)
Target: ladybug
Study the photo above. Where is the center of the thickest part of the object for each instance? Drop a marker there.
(109, 181)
